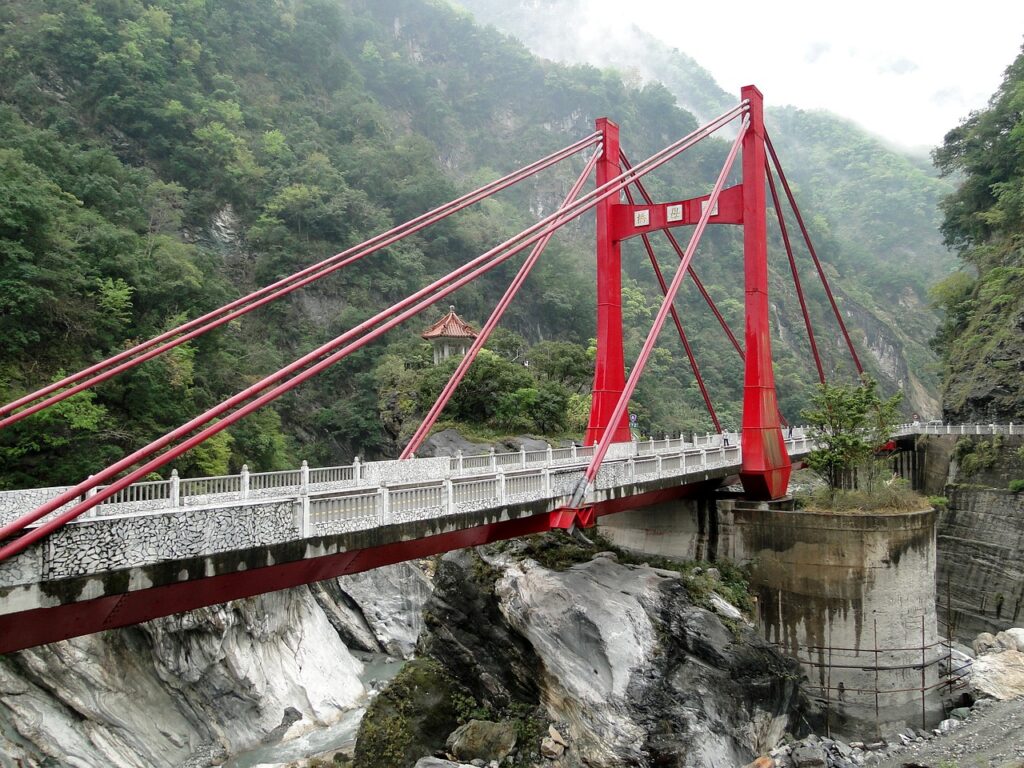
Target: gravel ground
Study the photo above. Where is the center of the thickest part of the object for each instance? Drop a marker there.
(992, 737)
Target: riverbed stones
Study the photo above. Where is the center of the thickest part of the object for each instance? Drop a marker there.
(481, 739)
(556, 737)
(809, 756)
(998, 675)
(984, 643)
(163, 692)
(1011, 639)
(550, 748)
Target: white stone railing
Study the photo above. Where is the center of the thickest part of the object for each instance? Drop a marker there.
(193, 491)
(157, 495)
(366, 508)
(366, 479)
(938, 428)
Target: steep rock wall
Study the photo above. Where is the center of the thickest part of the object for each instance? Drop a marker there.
(894, 348)
(189, 688)
(984, 381)
(981, 541)
(980, 531)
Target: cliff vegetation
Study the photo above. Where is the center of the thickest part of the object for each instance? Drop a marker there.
(980, 338)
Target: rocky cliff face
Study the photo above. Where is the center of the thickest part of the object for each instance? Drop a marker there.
(189, 688)
(984, 382)
(896, 349)
(632, 669)
(980, 531)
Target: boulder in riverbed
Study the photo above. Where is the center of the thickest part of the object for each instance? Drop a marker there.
(481, 739)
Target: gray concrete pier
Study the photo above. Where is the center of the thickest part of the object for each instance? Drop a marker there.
(852, 596)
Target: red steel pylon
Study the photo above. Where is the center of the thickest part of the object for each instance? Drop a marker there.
(766, 467)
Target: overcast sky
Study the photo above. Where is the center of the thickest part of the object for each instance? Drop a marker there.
(908, 71)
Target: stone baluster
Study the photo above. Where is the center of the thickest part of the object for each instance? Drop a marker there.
(89, 494)
(305, 524)
(175, 489)
(244, 480)
(357, 470)
(385, 504)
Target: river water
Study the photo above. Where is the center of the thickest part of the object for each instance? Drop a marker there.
(377, 670)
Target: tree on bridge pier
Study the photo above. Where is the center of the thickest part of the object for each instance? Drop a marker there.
(849, 423)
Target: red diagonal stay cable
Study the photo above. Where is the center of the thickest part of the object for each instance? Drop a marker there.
(532, 234)
(20, 544)
(102, 371)
(793, 269)
(693, 275)
(814, 255)
(679, 326)
(485, 332)
(659, 321)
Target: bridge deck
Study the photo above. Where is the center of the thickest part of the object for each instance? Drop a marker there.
(119, 569)
(144, 557)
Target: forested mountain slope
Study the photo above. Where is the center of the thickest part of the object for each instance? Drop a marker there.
(160, 158)
(874, 210)
(981, 339)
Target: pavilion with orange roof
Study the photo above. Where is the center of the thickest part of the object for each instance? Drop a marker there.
(451, 335)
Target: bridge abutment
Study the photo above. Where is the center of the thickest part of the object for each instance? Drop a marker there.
(852, 596)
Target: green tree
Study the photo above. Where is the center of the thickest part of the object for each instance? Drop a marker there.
(477, 397)
(64, 438)
(849, 423)
(563, 363)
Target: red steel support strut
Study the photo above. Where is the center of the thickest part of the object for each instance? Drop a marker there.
(766, 467)
(586, 483)
(679, 324)
(609, 366)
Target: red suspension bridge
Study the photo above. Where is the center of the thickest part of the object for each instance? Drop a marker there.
(47, 595)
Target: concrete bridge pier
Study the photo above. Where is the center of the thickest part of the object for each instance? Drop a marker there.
(852, 596)
(910, 463)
